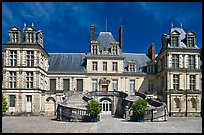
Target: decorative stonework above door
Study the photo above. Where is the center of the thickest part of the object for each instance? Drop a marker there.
(104, 81)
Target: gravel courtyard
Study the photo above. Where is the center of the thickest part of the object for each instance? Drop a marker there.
(108, 124)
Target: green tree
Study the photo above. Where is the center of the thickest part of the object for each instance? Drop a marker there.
(4, 104)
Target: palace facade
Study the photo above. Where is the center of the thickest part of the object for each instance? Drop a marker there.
(32, 76)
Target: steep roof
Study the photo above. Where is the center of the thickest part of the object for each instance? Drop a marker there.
(105, 39)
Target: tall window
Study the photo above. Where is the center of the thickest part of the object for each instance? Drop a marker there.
(174, 41)
(175, 61)
(191, 61)
(30, 58)
(192, 82)
(12, 79)
(53, 85)
(150, 86)
(94, 85)
(29, 80)
(30, 37)
(94, 49)
(115, 66)
(12, 101)
(132, 67)
(190, 42)
(95, 66)
(176, 82)
(115, 85)
(132, 87)
(13, 58)
(105, 66)
(115, 50)
(66, 85)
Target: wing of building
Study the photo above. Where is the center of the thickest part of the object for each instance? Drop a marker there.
(35, 81)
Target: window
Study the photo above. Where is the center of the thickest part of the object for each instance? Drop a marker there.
(30, 58)
(192, 82)
(132, 67)
(66, 85)
(191, 61)
(151, 68)
(115, 50)
(94, 49)
(115, 85)
(13, 58)
(132, 87)
(176, 82)
(12, 79)
(53, 85)
(115, 66)
(94, 85)
(105, 66)
(30, 37)
(174, 41)
(14, 37)
(190, 42)
(29, 80)
(12, 100)
(175, 61)
(95, 66)
(150, 86)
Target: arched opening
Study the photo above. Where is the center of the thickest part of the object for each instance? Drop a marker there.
(50, 106)
(106, 105)
(177, 102)
(193, 103)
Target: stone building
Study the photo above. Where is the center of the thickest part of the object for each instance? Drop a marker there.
(35, 81)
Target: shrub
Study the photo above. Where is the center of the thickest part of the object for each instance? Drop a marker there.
(4, 104)
(139, 107)
(93, 108)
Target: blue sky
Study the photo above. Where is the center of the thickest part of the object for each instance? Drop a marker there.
(66, 25)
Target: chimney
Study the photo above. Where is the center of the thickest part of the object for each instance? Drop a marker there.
(151, 52)
(92, 32)
(121, 37)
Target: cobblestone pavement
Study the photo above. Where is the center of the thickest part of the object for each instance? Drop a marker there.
(108, 124)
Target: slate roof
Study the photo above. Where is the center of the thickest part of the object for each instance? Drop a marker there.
(66, 62)
(105, 39)
(76, 63)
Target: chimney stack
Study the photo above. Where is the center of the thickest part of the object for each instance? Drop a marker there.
(121, 37)
(92, 32)
(151, 52)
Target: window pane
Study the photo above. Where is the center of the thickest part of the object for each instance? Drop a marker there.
(12, 100)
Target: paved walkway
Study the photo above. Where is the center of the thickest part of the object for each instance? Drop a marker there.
(108, 124)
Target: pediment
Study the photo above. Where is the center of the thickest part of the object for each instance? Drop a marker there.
(14, 28)
(175, 32)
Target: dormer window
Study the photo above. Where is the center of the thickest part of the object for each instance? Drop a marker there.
(115, 50)
(30, 37)
(131, 66)
(190, 42)
(94, 49)
(14, 38)
(150, 68)
(174, 41)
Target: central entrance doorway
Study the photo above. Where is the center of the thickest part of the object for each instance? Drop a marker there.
(104, 87)
(106, 107)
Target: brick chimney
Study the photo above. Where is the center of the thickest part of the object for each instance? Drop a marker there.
(121, 37)
(92, 32)
(151, 52)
